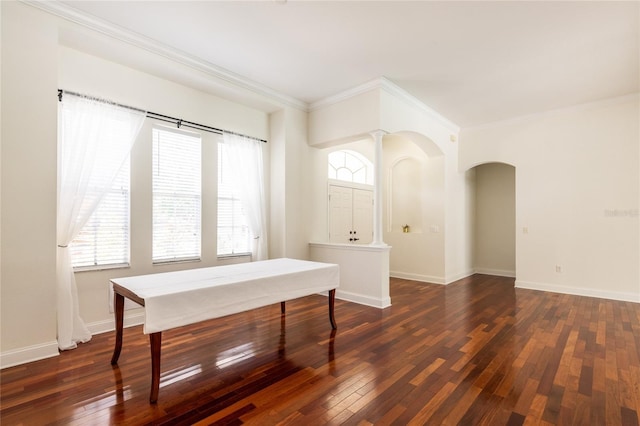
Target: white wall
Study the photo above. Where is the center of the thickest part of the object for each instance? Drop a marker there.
(291, 185)
(344, 120)
(364, 271)
(495, 220)
(29, 132)
(577, 195)
(298, 186)
(418, 254)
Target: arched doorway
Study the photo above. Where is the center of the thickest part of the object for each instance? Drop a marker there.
(494, 245)
(414, 200)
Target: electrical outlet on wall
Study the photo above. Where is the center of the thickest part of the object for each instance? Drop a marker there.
(559, 269)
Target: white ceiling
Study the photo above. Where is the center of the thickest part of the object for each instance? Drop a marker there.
(473, 62)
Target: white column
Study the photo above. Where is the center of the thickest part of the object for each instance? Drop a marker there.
(377, 189)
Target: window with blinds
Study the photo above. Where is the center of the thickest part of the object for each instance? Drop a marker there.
(104, 239)
(176, 195)
(234, 236)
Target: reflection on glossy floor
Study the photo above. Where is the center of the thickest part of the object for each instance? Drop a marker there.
(475, 352)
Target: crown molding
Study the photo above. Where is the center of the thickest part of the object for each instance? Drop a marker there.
(137, 40)
(388, 86)
(346, 94)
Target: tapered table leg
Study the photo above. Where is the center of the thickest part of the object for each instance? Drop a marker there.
(156, 342)
(332, 302)
(118, 301)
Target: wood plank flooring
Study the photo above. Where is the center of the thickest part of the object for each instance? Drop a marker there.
(475, 352)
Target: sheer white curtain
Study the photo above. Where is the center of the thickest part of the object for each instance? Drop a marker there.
(245, 161)
(95, 138)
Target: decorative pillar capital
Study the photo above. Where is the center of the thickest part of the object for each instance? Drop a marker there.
(378, 134)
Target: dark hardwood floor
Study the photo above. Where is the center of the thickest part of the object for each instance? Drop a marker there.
(474, 352)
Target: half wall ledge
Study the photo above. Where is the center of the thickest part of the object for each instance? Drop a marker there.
(364, 271)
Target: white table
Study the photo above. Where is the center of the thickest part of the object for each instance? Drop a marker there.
(175, 299)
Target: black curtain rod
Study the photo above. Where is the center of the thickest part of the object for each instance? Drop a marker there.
(168, 119)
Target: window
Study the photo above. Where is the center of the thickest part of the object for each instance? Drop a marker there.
(234, 237)
(351, 167)
(176, 195)
(104, 239)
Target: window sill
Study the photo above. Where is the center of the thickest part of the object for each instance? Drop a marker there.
(233, 256)
(101, 267)
(173, 262)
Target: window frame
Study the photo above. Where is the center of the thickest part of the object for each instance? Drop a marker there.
(187, 258)
(117, 187)
(365, 164)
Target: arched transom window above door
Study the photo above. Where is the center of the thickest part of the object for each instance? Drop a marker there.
(350, 166)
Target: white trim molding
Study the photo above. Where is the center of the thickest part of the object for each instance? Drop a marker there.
(429, 279)
(460, 275)
(76, 16)
(496, 272)
(579, 291)
(27, 354)
(109, 325)
(383, 83)
(362, 299)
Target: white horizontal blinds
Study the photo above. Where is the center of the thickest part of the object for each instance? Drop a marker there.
(104, 239)
(234, 236)
(176, 195)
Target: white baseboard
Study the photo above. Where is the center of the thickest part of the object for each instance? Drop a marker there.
(106, 326)
(432, 279)
(458, 276)
(496, 272)
(47, 350)
(578, 291)
(27, 354)
(363, 300)
(417, 277)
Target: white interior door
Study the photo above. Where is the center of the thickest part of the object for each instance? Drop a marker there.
(363, 216)
(350, 215)
(340, 213)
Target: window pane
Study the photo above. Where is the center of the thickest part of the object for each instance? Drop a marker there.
(352, 162)
(234, 236)
(360, 176)
(104, 240)
(350, 166)
(176, 195)
(344, 174)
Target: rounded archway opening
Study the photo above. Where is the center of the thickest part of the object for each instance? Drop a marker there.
(494, 234)
(413, 206)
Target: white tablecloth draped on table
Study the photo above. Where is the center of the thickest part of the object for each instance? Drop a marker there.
(174, 299)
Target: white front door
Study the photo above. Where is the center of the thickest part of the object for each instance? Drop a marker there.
(340, 202)
(350, 215)
(363, 216)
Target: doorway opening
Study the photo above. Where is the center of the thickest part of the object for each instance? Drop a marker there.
(494, 248)
(350, 192)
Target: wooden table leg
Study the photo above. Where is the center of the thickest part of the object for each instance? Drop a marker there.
(332, 302)
(156, 343)
(118, 301)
